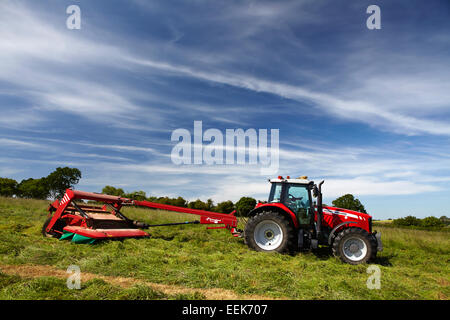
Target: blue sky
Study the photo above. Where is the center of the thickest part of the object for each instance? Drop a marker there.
(366, 110)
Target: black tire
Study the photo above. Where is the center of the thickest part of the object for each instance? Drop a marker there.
(287, 242)
(59, 225)
(345, 237)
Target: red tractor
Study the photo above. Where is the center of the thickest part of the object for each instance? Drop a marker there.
(291, 221)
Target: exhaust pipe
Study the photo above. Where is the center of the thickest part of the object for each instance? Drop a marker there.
(319, 211)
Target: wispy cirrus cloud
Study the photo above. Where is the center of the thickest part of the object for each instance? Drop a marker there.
(363, 111)
(69, 93)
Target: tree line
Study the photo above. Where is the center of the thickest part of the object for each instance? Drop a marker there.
(52, 186)
(55, 184)
(426, 223)
(242, 207)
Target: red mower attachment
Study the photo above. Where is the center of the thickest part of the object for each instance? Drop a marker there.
(71, 218)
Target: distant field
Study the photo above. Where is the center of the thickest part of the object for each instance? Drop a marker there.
(383, 221)
(390, 224)
(190, 262)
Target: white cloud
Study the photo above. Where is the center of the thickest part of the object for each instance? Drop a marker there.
(362, 186)
(19, 118)
(8, 172)
(363, 111)
(18, 143)
(22, 46)
(47, 66)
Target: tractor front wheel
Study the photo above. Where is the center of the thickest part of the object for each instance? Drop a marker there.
(354, 246)
(269, 231)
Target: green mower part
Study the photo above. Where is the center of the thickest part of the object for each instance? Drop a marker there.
(76, 238)
(82, 239)
(66, 235)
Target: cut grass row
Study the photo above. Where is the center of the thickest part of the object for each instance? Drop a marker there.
(414, 264)
(13, 287)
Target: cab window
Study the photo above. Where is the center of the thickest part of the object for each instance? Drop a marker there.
(297, 199)
(275, 193)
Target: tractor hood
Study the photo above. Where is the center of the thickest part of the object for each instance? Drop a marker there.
(333, 217)
(346, 214)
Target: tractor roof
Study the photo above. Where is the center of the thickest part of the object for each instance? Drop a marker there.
(300, 180)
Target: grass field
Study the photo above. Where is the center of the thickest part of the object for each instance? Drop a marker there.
(189, 262)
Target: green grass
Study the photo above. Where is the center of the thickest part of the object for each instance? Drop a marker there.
(414, 264)
(50, 288)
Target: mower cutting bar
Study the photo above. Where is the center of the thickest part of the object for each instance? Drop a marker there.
(106, 233)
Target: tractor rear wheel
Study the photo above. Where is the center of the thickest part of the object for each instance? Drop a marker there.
(59, 225)
(270, 232)
(354, 246)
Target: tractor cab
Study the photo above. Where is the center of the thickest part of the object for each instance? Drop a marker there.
(296, 195)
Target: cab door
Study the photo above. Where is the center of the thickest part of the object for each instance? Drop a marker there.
(297, 197)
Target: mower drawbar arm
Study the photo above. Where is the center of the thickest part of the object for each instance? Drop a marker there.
(72, 218)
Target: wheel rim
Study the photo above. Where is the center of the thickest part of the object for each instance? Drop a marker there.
(355, 249)
(268, 235)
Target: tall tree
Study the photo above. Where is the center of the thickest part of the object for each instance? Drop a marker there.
(8, 187)
(245, 205)
(112, 191)
(61, 179)
(198, 204)
(348, 201)
(209, 205)
(224, 207)
(179, 202)
(33, 188)
(136, 195)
